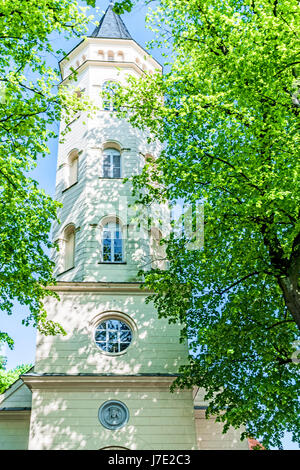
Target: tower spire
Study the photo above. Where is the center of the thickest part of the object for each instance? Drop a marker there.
(111, 25)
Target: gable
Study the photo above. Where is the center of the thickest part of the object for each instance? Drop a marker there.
(17, 396)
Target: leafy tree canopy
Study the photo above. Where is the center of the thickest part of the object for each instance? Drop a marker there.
(30, 103)
(8, 377)
(229, 124)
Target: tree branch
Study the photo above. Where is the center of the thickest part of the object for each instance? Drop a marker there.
(280, 323)
(255, 273)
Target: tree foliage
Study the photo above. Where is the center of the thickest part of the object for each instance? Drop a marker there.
(8, 377)
(229, 121)
(30, 102)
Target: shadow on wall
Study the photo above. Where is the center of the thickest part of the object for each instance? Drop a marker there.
(69, 420)
(154, 348)
(94, 197)
(65, 416)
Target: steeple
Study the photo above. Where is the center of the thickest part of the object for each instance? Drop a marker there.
(111, 26)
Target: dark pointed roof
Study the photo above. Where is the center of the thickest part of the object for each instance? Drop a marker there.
(111, 26)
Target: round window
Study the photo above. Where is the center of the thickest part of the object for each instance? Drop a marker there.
(113, 336)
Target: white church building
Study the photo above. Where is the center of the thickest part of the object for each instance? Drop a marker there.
(106, 384)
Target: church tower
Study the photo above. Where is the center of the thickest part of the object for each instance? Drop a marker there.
(106, 384)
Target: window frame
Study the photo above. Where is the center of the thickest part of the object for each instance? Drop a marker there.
(117, 228)
(110, 332)
(69, 250)
(108, 103)
(112, 167)
(72, 168)
(113, 315)
(110, 56)
(157, 250)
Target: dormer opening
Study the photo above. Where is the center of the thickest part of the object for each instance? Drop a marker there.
(69, 247)
(110, 56)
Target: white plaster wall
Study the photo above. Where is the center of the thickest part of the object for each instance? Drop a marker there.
(92, 197)
(18, 395)
(210, 436)
(88, 51)
(69, 420)
(14, 431)
(155, 349)
(14, 425)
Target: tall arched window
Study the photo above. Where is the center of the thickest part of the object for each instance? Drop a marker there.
(157, 251)
(112, 243)
(110, 55)
(108, 89)
(69, 247)
(120, 56)
(73, 167)
(111, 163)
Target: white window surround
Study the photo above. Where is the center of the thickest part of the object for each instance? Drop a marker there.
(114, 219)
(69, 247)
(114, 448)
(113, 335)
(111, 163)
(120, 56)
(72, 167)
(157, 251)
(110, 55)
(113, 315)
(109, 86)
(112, 250)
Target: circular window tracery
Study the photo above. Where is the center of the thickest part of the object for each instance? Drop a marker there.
(113, 335)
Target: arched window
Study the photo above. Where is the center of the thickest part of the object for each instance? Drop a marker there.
(149, 158)
(157, 250)
(109, 88)
(110, 56)
(69, 247)
(73, 167)
(120, 56)
(114, 448)
(101, 55)
(111, 163)
(112, 243)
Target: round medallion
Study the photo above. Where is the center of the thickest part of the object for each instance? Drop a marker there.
(113, 414)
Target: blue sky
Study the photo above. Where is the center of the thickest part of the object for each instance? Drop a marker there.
(24, 337)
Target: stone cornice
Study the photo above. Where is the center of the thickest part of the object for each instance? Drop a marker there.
(107, 41)
(103, 63)
(96, 382)
(119, 287)
(15, 414)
